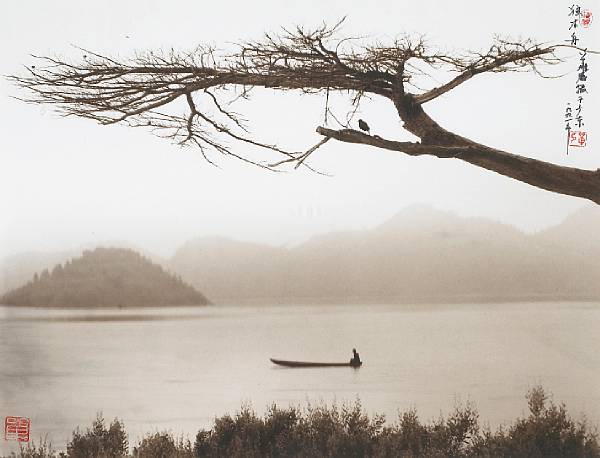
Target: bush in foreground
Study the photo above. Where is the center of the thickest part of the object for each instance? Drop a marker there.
(163, 444)
(548, 431)
(99, 441)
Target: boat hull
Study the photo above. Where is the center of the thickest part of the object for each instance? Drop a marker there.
(281, 362)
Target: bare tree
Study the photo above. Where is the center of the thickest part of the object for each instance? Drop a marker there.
(149, 89)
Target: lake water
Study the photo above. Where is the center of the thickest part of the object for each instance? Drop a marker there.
(177, 369)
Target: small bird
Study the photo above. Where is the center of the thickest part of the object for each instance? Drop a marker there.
(364, 126)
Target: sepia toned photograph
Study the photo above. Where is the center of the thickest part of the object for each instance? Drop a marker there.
(300, 229)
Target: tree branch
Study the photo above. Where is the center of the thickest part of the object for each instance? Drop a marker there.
(150, 89)
(544, 175)
(503, 56)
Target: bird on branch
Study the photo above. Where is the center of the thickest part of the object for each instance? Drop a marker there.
(364, 126)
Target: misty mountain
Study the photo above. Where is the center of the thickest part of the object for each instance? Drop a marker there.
(105, 277)
(18, 269)
(419, 254)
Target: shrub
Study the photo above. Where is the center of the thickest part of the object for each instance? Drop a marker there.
(163, 444)
(451, 437)
(42, 450)
(548, 431)
(320, 431)
(99, 442)
(455, 435)
(408, 437)
(323, 431)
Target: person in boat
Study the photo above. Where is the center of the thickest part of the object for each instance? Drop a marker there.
(355, 361)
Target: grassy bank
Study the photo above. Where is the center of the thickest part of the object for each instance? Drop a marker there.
(548, 431)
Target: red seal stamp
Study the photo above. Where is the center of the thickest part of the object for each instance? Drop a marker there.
(577, 138)
(586, 18)
(17, 429)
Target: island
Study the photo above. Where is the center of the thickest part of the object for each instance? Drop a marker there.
(105, 277)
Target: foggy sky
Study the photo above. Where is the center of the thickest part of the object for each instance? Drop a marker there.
(68, 181)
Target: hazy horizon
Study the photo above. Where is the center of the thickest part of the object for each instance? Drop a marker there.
(403, 258)
(176, 244)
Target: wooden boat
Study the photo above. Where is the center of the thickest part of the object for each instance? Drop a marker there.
(281, 362)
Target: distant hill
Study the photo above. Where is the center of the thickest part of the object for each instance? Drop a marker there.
(421, 254)
(105, 277)
(18, 269)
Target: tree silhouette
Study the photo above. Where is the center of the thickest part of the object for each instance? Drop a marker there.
(150, 90)
(105, 277)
